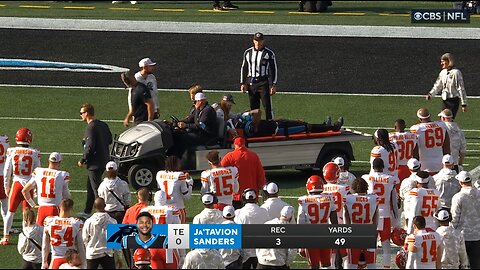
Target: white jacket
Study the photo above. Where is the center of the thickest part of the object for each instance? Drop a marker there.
(458, 142)
(276, 256)
(94, 235)
(251, 213)
(203, 259)
(447, 184)
(229, 255)
(26, 248)
(120, 188)
(274, 206)
(454, 251)
(208, 216)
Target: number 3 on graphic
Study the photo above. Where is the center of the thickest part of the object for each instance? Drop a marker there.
(278, 241)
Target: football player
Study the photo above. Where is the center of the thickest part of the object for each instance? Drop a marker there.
(383, 185)
(52, 187)
(221, 181)
(346, 177)
(176, 185)
(385, 150)
(422, 201)
(361, 208)
(433, 142)
(406, 142)
(61, 233)
(4, 145)
(424, 247)
(317, 208)
(19, 165)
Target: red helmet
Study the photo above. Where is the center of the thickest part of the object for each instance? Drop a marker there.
(314, 184)
(23, 136)
(398, 236)
(401, 258)
(142, 256)
(331, 172)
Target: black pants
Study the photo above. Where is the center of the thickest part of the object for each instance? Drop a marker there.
(453, 104)
(94, 180)
(473, 253)
(251, 263)
(261, 91)
(106, 262)
(31, 265)
(262, 266)
(187, 140)
(117, 215)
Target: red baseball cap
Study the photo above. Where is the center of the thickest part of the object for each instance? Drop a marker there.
(240, 141)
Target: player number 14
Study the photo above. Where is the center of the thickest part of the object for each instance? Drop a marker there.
(340, 241)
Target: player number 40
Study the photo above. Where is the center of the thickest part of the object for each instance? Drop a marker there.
(340, 241)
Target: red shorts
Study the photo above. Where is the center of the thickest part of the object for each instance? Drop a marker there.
(354, 256)
(183, 215)
(220, 206)
(55, 264)
(318, 256)
(386, 232)
(16, 197)
(403, 172)
(159, 258)
(45, 211)
(2, 189)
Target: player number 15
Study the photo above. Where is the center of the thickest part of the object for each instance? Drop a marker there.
(340, 241)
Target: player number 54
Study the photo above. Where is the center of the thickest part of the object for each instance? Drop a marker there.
(340, 241)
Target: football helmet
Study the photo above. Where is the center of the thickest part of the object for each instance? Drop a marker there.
(142, 256)
(314, 184)
(331, 172)
(23, 136)
(401, 258)
(398, 236)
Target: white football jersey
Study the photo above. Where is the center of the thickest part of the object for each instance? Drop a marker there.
(63, 232)
(426, 254)
(338, 192)
(50, 185)
(382, 184)
(361, 208)
(222, 181)
(406, 142)
(165, 214)
(431, 137)
(20, 163)
(151, 83)
(390, 159)
(4, 145)
(423, 202)
(315, 209)
(175, 186)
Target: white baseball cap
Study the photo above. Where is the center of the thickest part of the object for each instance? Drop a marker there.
(146, 62)
(287, 212)
(442, 215)
(228, 211)
(55, 157)
(464, 176)
(250, 195)
(271, 188)
(422, 180)
(207, 199)
(200, 96)
(339, 161)
(413, 164)
(447, 159)
(111, 166)
(447, 113)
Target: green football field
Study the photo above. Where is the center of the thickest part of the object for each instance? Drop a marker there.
(52, 115)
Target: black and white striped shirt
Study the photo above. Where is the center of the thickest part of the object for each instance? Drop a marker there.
(257, 64)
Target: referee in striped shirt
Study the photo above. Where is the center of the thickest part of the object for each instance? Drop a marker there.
(259, 65)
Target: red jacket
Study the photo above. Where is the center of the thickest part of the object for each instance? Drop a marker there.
(250, 169)
(132, 213)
